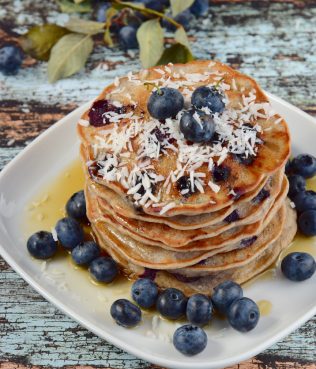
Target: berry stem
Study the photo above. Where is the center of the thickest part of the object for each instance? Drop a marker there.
(145, 11)
(159, 92)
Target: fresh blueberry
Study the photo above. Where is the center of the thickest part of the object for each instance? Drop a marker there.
(145, 292)
(189, 340)
(165, 103)
(125, 313)
(297, 184)
(100, 12)
(298, 266)
(197, 126)
(184, 18)
(225, 294)
(11, 58)
(305, 200)
(127, 38)
(199, 7)
(211, 98)
(307, 222)
(103, 269)
(288, 167)
(153, 4)
(171, 303)
(85, 252)
(76, 206)
(243, 314)
(69, 233)
(41, 245)
(199, 309)
(304, 165)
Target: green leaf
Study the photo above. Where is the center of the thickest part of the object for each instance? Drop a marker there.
(39, 40)
(151, 40)
(67, 6)
(182, 38)
(78, 1)
(110, 13)
(178, 6)
(69, 55)
(84, 26)
(176, 53)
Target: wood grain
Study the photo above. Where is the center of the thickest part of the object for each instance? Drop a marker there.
(274, 41)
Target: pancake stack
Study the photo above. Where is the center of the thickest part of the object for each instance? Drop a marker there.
(188, 215)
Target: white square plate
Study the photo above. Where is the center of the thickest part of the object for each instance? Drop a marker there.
(44, 159)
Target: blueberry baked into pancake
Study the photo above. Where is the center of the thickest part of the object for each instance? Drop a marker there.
(185, 182)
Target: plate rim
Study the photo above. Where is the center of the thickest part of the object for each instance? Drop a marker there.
(132, 349)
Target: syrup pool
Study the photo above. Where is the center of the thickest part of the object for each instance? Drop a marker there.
(47, 207)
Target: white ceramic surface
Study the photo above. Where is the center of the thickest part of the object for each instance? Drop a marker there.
(42, 160)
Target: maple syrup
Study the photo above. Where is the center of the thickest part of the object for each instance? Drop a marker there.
(265, 307)
(48, 206)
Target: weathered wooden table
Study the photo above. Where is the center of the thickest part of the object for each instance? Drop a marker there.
(274, 42)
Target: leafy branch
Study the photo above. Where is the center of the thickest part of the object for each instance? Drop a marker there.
(68, 48)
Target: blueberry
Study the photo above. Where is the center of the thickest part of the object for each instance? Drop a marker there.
(262, 195)
(189, 340)
(171, 303)
(298, 266)
(125, 313)
(199, 309)
(288, 167)
(199, 7)
(220, 173)
(145, 292)
(85, 252)
(305, 200)
(153, 4)
(297, 184)
(304, 165)
(103, 269)
(307, 222)
(76, 206)
(225, 294)
(99, 107)
(127, 38)
(184, 18)
(184, 184)
(100, 12)
(69, 233)
(197, 126)
(243, 314)
(165, 103)
(211, 98)
(232, 217)
(11, 58)
(246, 242)
(41, 245)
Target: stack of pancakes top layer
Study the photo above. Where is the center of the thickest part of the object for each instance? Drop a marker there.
(189, 215)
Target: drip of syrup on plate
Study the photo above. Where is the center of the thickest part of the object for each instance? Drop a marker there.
(49, 203)
(265, 307)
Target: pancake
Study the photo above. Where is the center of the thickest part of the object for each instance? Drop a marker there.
(136, 243)
(249, 213)
(154, 258)
(127, 152)
(125, 208)
(205, 284)
(188, 215)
